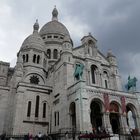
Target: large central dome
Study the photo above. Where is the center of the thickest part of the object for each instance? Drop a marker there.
(54, 26)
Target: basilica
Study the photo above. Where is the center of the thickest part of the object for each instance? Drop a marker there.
(58, 87)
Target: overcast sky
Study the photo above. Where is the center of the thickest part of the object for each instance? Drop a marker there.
(114, 23)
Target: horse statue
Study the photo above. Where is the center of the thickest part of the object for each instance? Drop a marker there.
(131, 83)
(78, 71)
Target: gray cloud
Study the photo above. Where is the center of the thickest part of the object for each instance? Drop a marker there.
(114, 23)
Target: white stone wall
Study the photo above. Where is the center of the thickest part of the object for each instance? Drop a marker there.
(4, 93)
(24, 124)
(4, 67)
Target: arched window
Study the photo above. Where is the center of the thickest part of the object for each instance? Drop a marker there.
(90, 47)
(106, 86)
(93, 73)
(26, 57)
(23, 58)
(29, 109)
(38, 59)
(44, 63)
(57, 118)
(72, 112)
(105, 79)
(55, 54)
(37, 106)
(34, 58)
(49, 53)
(88, 50)
(90, 42)
(44, 110)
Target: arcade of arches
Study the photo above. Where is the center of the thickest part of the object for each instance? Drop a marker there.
(116, 118)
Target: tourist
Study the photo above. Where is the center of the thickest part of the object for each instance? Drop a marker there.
(30, 137)
(66, 135)
(39, 136)
(94, 130)
(26, 137)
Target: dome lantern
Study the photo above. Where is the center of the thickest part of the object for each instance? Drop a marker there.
(36, 26)
(54, 14)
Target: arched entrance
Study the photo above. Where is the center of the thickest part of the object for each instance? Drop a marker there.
(96, 114)
(131, 117)
(72, 111)
(114, 117)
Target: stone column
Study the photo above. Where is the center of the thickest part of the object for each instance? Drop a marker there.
(78, 116)
(106, 121)
(88, 76)
(101, 80)
(138, 122)
(97, 78)
(86, 116)
(31, 56)
(82, 109)
(123, 124)
(52, 53)
(42, 59)
(80, 106)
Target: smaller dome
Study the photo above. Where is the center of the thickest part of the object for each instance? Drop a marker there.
(34, 40)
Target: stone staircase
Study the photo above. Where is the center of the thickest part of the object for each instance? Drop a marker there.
(115, 137)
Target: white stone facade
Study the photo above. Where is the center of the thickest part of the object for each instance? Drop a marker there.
(41, 94)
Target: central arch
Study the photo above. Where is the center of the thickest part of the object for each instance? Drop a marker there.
(96, 114)
(115, 117)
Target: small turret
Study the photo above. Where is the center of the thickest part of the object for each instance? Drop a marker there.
(18, 69)
(19, 63)
(111, 58)
(67, 44)
(66, 53)
(114, 70)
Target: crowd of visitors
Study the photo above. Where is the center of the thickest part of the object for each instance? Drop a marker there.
(39, 136)
(27, 136)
